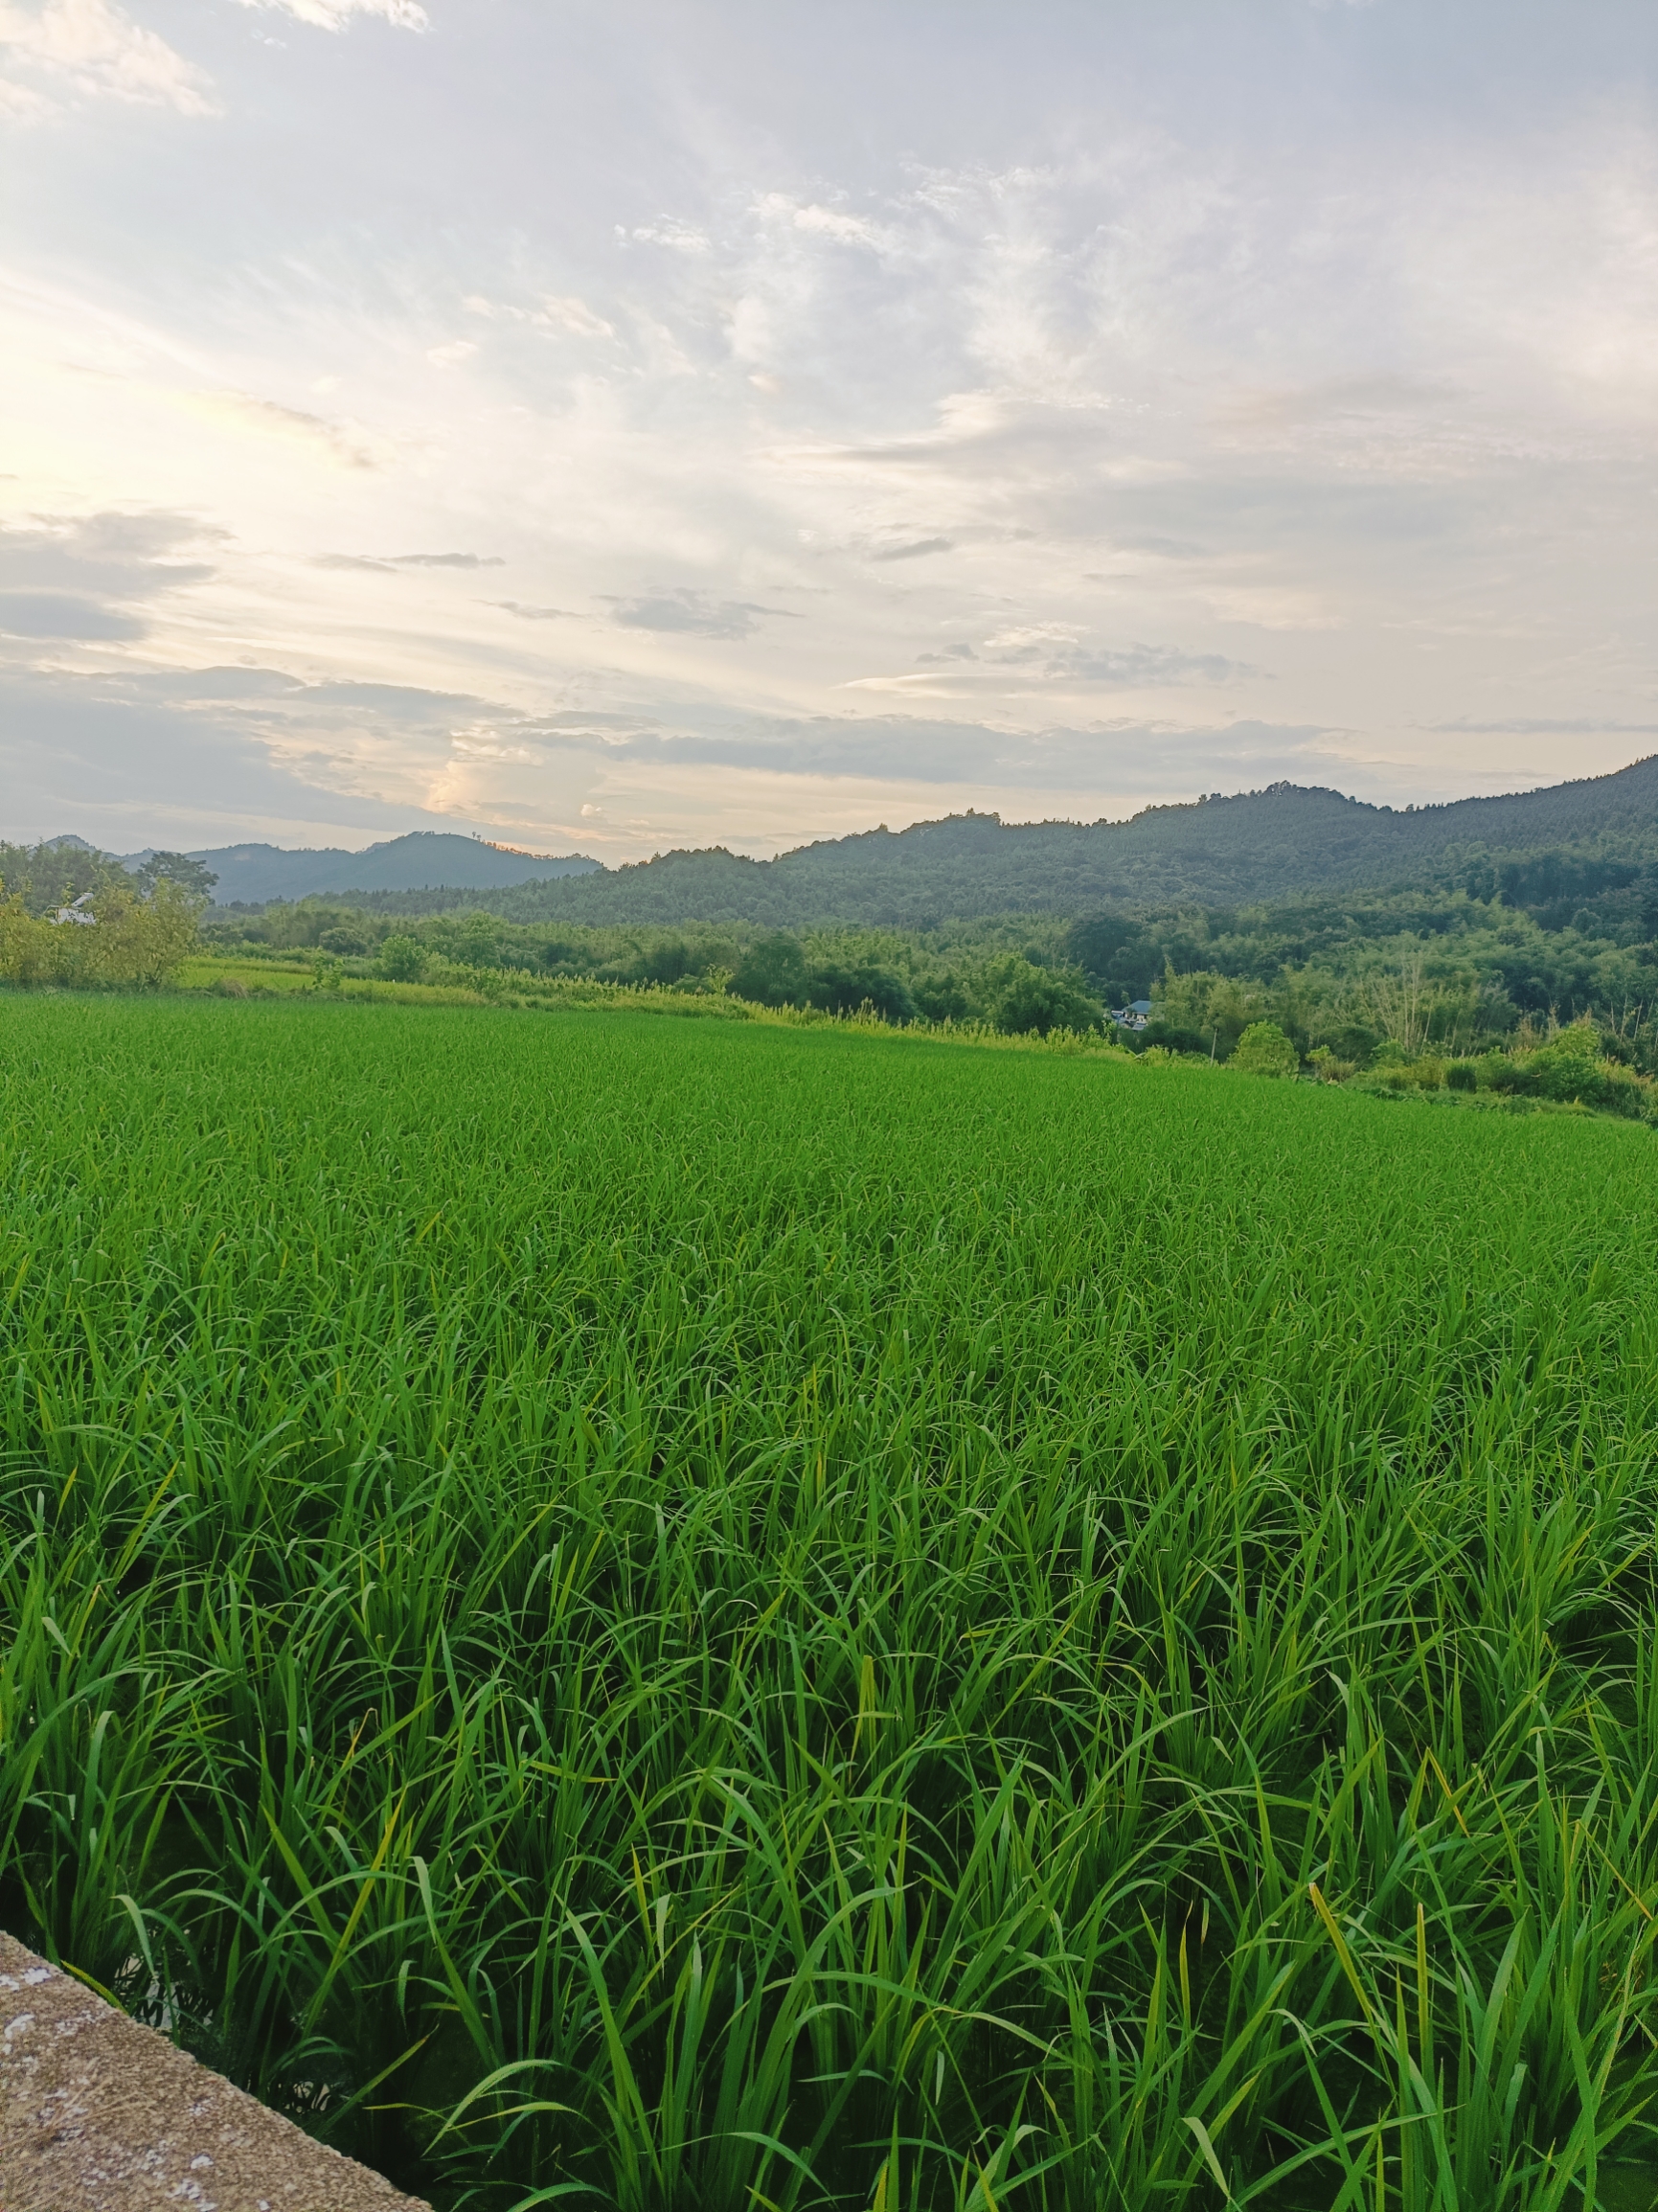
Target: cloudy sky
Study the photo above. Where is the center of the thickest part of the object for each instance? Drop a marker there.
(611, 424)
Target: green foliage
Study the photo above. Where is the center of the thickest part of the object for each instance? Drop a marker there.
(719, 1613)
(956, 974)
(128, 943)
(838, 989)
(1263, 1049)
(1030, 999)
(194, 879)
(43, 878)
(402, 959)
(1415, 976)
(772, 972)
(1415, 972)
(1570, 1069)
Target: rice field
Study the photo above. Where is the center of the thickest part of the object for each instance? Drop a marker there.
(692, 1615)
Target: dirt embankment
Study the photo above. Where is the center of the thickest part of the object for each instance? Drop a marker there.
(99, 2115)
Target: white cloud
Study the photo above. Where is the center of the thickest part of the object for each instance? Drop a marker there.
(680, 238)
(21, 103)
(324, 440)
(94, 49)
(691, 613)
(834, 224)
(336, 14)
(824, 222)
(578, 317)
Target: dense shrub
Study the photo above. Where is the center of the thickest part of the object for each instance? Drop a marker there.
(1327, 1067)
(402, 959)
(772, 972)
(1032, 1000)
(1172, 1037)
(1263, 1049)
(838, 989)
(941, 998)
(130, 942)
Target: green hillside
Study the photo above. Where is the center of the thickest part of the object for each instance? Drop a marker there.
(1284, 842)
(252, 873)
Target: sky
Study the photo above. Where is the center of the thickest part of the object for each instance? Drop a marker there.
(609, 426)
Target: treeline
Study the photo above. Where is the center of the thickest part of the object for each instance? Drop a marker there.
(1446, 967)
(1447, 971)
(1510, 950)
(1012, 975)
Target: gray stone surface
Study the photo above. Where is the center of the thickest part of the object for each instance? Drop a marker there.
(99, 2115)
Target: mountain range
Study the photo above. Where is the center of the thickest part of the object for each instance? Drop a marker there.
(1284, 842)
(425, 860)
(1256, 847)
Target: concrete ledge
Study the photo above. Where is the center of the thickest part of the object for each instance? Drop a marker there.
(99, 2115)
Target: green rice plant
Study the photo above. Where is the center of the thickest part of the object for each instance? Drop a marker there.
(688, 1616)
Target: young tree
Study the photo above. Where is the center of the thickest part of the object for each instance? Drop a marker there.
(772, 972)
(402, 959)
(1030, 998)
(1263, 1049)
(193, 877)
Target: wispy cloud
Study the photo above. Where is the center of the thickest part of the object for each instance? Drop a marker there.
(98, 578)
(90, 49)
(340, 443)
(680, 238)
(113, 554)
(388, 563)
(691, 613)
(336, 14)
(447, 560)
(911, 551)
(1129, 667)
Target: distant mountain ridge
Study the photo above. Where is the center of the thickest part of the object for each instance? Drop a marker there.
(1261, 846)
(1250, 849)
(425, 860)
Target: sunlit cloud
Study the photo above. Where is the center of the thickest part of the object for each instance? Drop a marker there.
(336, 14)
(1062, 440)
(91, 49)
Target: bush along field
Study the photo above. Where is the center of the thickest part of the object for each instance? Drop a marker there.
(107, 939)
(1011, 976)
(702, 1614)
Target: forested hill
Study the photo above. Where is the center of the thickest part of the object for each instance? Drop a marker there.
(423, 859)
(1261, 846)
